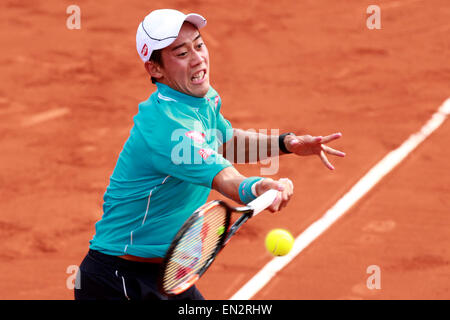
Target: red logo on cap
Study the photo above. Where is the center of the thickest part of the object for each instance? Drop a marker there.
(144, 50)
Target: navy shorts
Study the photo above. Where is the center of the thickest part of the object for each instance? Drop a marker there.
(106, 277)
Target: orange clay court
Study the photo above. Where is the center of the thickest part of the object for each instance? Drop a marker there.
(67, 98)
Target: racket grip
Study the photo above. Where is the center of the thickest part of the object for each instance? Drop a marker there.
(263, 201)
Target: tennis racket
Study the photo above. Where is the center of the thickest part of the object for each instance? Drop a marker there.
(204, 234)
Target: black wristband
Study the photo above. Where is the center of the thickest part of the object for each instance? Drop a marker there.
(281, 144)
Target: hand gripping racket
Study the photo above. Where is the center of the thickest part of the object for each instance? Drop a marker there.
(204, 234)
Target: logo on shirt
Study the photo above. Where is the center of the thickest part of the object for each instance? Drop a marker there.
(144, 50)
(196, 136)
(205, 153)
(216, 101)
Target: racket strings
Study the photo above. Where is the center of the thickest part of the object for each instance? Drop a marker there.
(195, 248)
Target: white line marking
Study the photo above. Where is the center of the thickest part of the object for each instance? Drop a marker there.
(45, 116)
(389, 162)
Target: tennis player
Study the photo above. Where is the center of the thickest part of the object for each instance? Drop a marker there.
(171, 161)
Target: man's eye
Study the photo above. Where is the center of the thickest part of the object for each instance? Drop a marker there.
(182, 54)
(200, 45)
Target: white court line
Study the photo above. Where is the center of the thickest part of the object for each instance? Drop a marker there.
(389, 162)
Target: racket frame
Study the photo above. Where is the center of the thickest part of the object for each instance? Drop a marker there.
(246, 213)
(189, 222)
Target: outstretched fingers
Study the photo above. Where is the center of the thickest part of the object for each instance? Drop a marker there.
(325, 161)
(331, 137)
(308, 145)
(328, 150)
(332, 151)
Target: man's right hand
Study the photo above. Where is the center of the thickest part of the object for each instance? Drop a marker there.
(283, 185)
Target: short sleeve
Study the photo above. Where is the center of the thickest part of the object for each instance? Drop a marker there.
(183, 150)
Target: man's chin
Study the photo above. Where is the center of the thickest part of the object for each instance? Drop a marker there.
(200, 91)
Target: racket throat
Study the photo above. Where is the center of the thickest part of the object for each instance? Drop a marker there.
(235, 227)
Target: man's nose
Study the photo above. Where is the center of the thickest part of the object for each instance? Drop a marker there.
(197, 58)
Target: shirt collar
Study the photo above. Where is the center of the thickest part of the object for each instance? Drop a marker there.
(168, 94)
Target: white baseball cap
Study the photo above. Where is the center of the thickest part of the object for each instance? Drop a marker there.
(160, 28)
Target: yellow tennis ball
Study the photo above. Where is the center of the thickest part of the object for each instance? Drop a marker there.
(279, 242)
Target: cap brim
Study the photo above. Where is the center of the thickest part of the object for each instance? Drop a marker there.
(196, 19)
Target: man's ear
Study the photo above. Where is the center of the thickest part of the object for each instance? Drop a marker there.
(153, 69)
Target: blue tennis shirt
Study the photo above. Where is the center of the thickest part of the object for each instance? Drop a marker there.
(163, 174)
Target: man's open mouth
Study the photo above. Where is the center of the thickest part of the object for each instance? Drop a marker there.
(198, 77)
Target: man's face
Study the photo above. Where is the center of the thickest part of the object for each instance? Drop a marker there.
(186, 63)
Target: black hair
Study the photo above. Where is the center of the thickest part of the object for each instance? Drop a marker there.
(156, 57)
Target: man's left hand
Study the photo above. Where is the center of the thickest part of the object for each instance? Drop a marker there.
(309, 145)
